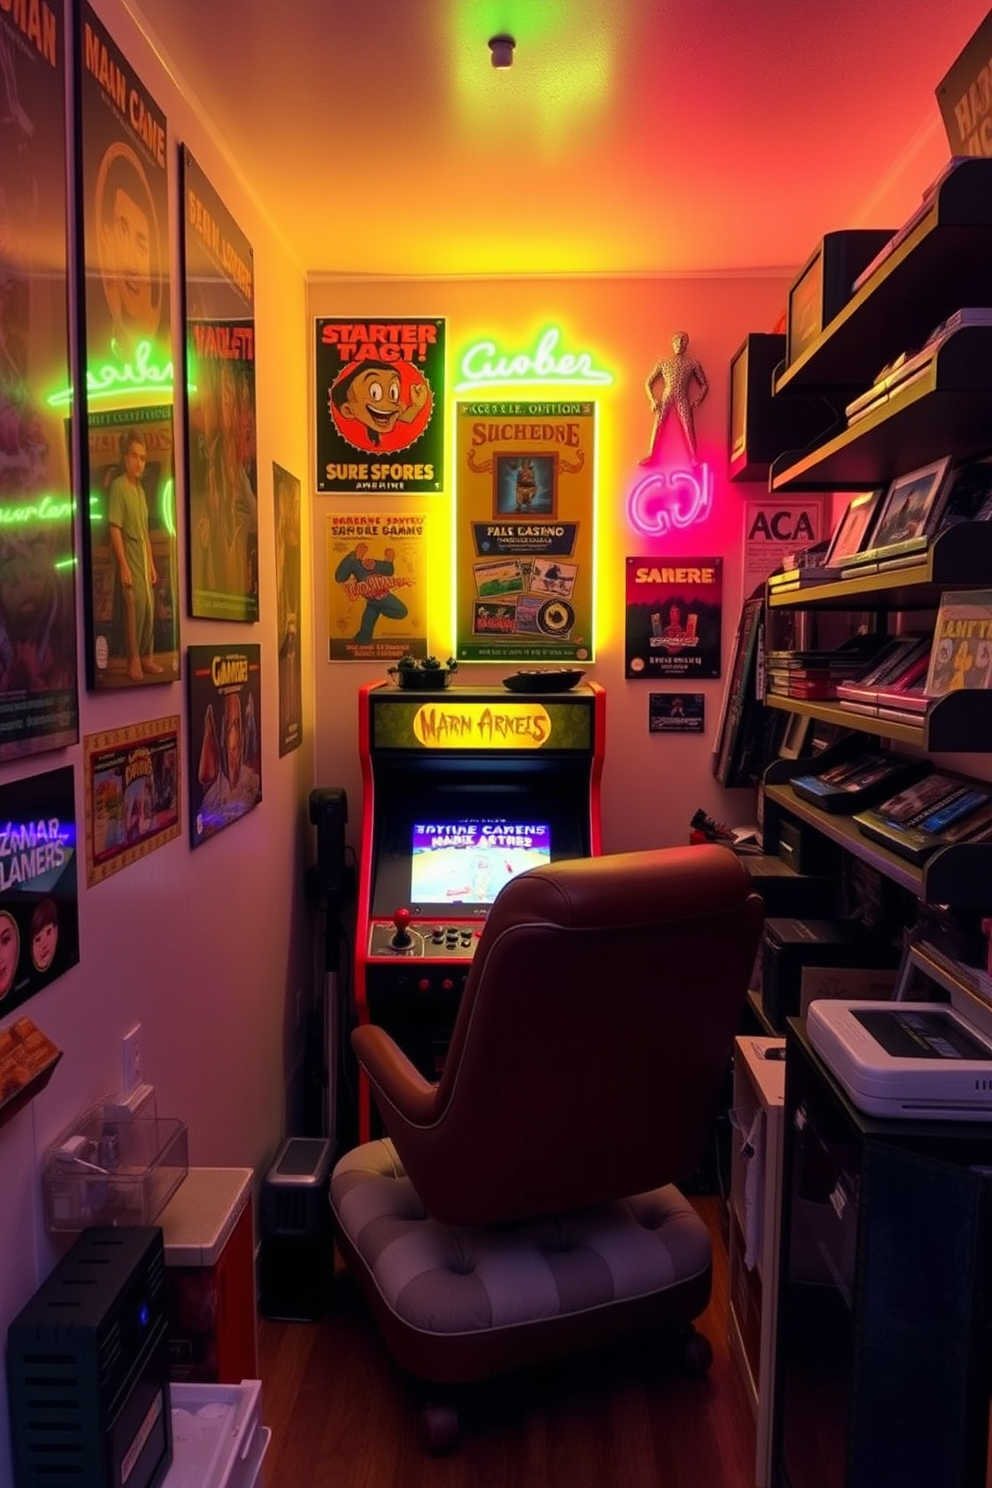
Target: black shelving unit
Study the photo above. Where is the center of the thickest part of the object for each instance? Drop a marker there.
(942, 263)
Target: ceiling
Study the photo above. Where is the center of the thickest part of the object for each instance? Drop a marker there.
(628, 137)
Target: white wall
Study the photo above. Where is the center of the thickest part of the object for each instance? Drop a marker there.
(205, 949)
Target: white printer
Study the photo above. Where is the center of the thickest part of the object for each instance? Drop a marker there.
(924, 1061)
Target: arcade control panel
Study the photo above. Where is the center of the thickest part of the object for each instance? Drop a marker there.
(450, 940)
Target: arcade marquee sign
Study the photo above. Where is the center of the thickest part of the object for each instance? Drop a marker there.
(488, 726)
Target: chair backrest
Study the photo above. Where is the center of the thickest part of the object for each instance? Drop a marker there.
(592, 1040)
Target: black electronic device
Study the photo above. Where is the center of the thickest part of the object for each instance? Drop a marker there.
(850, 784)
(825, 283)
(935, 812)
(329, 814)
(761, 426)
(297, 1254)
(790, 945)
(88, 1367)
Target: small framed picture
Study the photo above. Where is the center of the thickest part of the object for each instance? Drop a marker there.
(912, 505)
(794, 738)
(852, 530)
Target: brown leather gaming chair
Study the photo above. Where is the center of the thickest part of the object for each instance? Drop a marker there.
(522, 1208)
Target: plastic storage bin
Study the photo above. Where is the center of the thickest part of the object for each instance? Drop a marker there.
(218, 1440)
(102, 1172)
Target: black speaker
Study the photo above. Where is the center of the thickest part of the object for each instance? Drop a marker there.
(763, 427)
(297, 1245)
(329, 814)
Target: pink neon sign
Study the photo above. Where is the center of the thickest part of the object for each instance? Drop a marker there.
(664, 500)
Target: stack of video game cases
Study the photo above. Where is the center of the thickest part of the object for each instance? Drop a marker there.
(894, 688)
(934, 812)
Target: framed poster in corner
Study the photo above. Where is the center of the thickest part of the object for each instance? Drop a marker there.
(225, 733)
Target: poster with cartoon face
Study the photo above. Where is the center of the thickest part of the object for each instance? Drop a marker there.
(380, 406)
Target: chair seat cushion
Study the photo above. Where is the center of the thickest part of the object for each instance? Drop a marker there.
(458, 1302)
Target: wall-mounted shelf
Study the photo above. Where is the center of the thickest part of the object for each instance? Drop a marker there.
(960, 558)
(957, 875)
(960, 723)
(942, 263)
(947, 410)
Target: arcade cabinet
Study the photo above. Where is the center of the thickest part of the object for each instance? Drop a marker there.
(462, 789)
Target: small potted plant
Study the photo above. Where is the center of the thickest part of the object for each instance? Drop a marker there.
(426, 675)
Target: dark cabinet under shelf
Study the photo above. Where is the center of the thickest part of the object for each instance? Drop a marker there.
(883, 1350)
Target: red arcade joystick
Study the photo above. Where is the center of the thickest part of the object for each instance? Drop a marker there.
(402, 937)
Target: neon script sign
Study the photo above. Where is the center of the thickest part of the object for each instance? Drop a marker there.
(670, 499)
(133, 377)
(483, 365)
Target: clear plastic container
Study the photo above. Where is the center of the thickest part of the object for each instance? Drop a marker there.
(113, 1172)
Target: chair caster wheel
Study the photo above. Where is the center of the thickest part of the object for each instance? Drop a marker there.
(439, 1424)
(697, 1355)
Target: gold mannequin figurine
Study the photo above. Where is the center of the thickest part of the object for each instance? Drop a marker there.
(677, 374)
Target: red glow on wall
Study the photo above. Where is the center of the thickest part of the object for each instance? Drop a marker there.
(667, 500)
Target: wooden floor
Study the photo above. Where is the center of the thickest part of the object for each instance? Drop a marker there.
(343, 1416)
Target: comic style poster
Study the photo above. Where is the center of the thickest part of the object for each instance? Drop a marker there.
(376, 587)
(380, 406)
(286, 493)
(39, 914)
(38, 698)
(225, 737)
(131, 784)
(132, 580)
(525, 501)
(674, 611)
(221, 450)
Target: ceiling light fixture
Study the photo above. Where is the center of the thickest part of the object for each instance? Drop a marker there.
(501, 48)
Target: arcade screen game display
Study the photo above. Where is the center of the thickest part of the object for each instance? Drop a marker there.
(468, 862)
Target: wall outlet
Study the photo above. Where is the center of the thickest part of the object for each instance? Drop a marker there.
(132, 1060)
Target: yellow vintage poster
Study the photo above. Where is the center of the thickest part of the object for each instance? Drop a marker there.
(376, 587)
(525, 501)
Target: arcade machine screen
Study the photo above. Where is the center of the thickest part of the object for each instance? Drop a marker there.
(456, 863)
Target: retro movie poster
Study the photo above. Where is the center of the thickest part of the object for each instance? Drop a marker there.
(225, 736)
(525, 494)
(126, 354)
(39, 915)
(132, 787)
(38, 698)
(286, 494)
(673, 618)
(376, 587)
(380, 406)
(133, 583)
(221, 457)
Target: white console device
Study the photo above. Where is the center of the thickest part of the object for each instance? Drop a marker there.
(911, 1060)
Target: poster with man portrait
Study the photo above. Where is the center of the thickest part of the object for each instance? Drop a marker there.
(225, 737)
(376, 586)
(38, 698)
(219, 382)
(125, 341)
(131, 578)
(289, 577)
(39, 915)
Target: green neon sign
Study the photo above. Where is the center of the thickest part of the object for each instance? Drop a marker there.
(110, 381)
(483, 365)
(46, 509)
